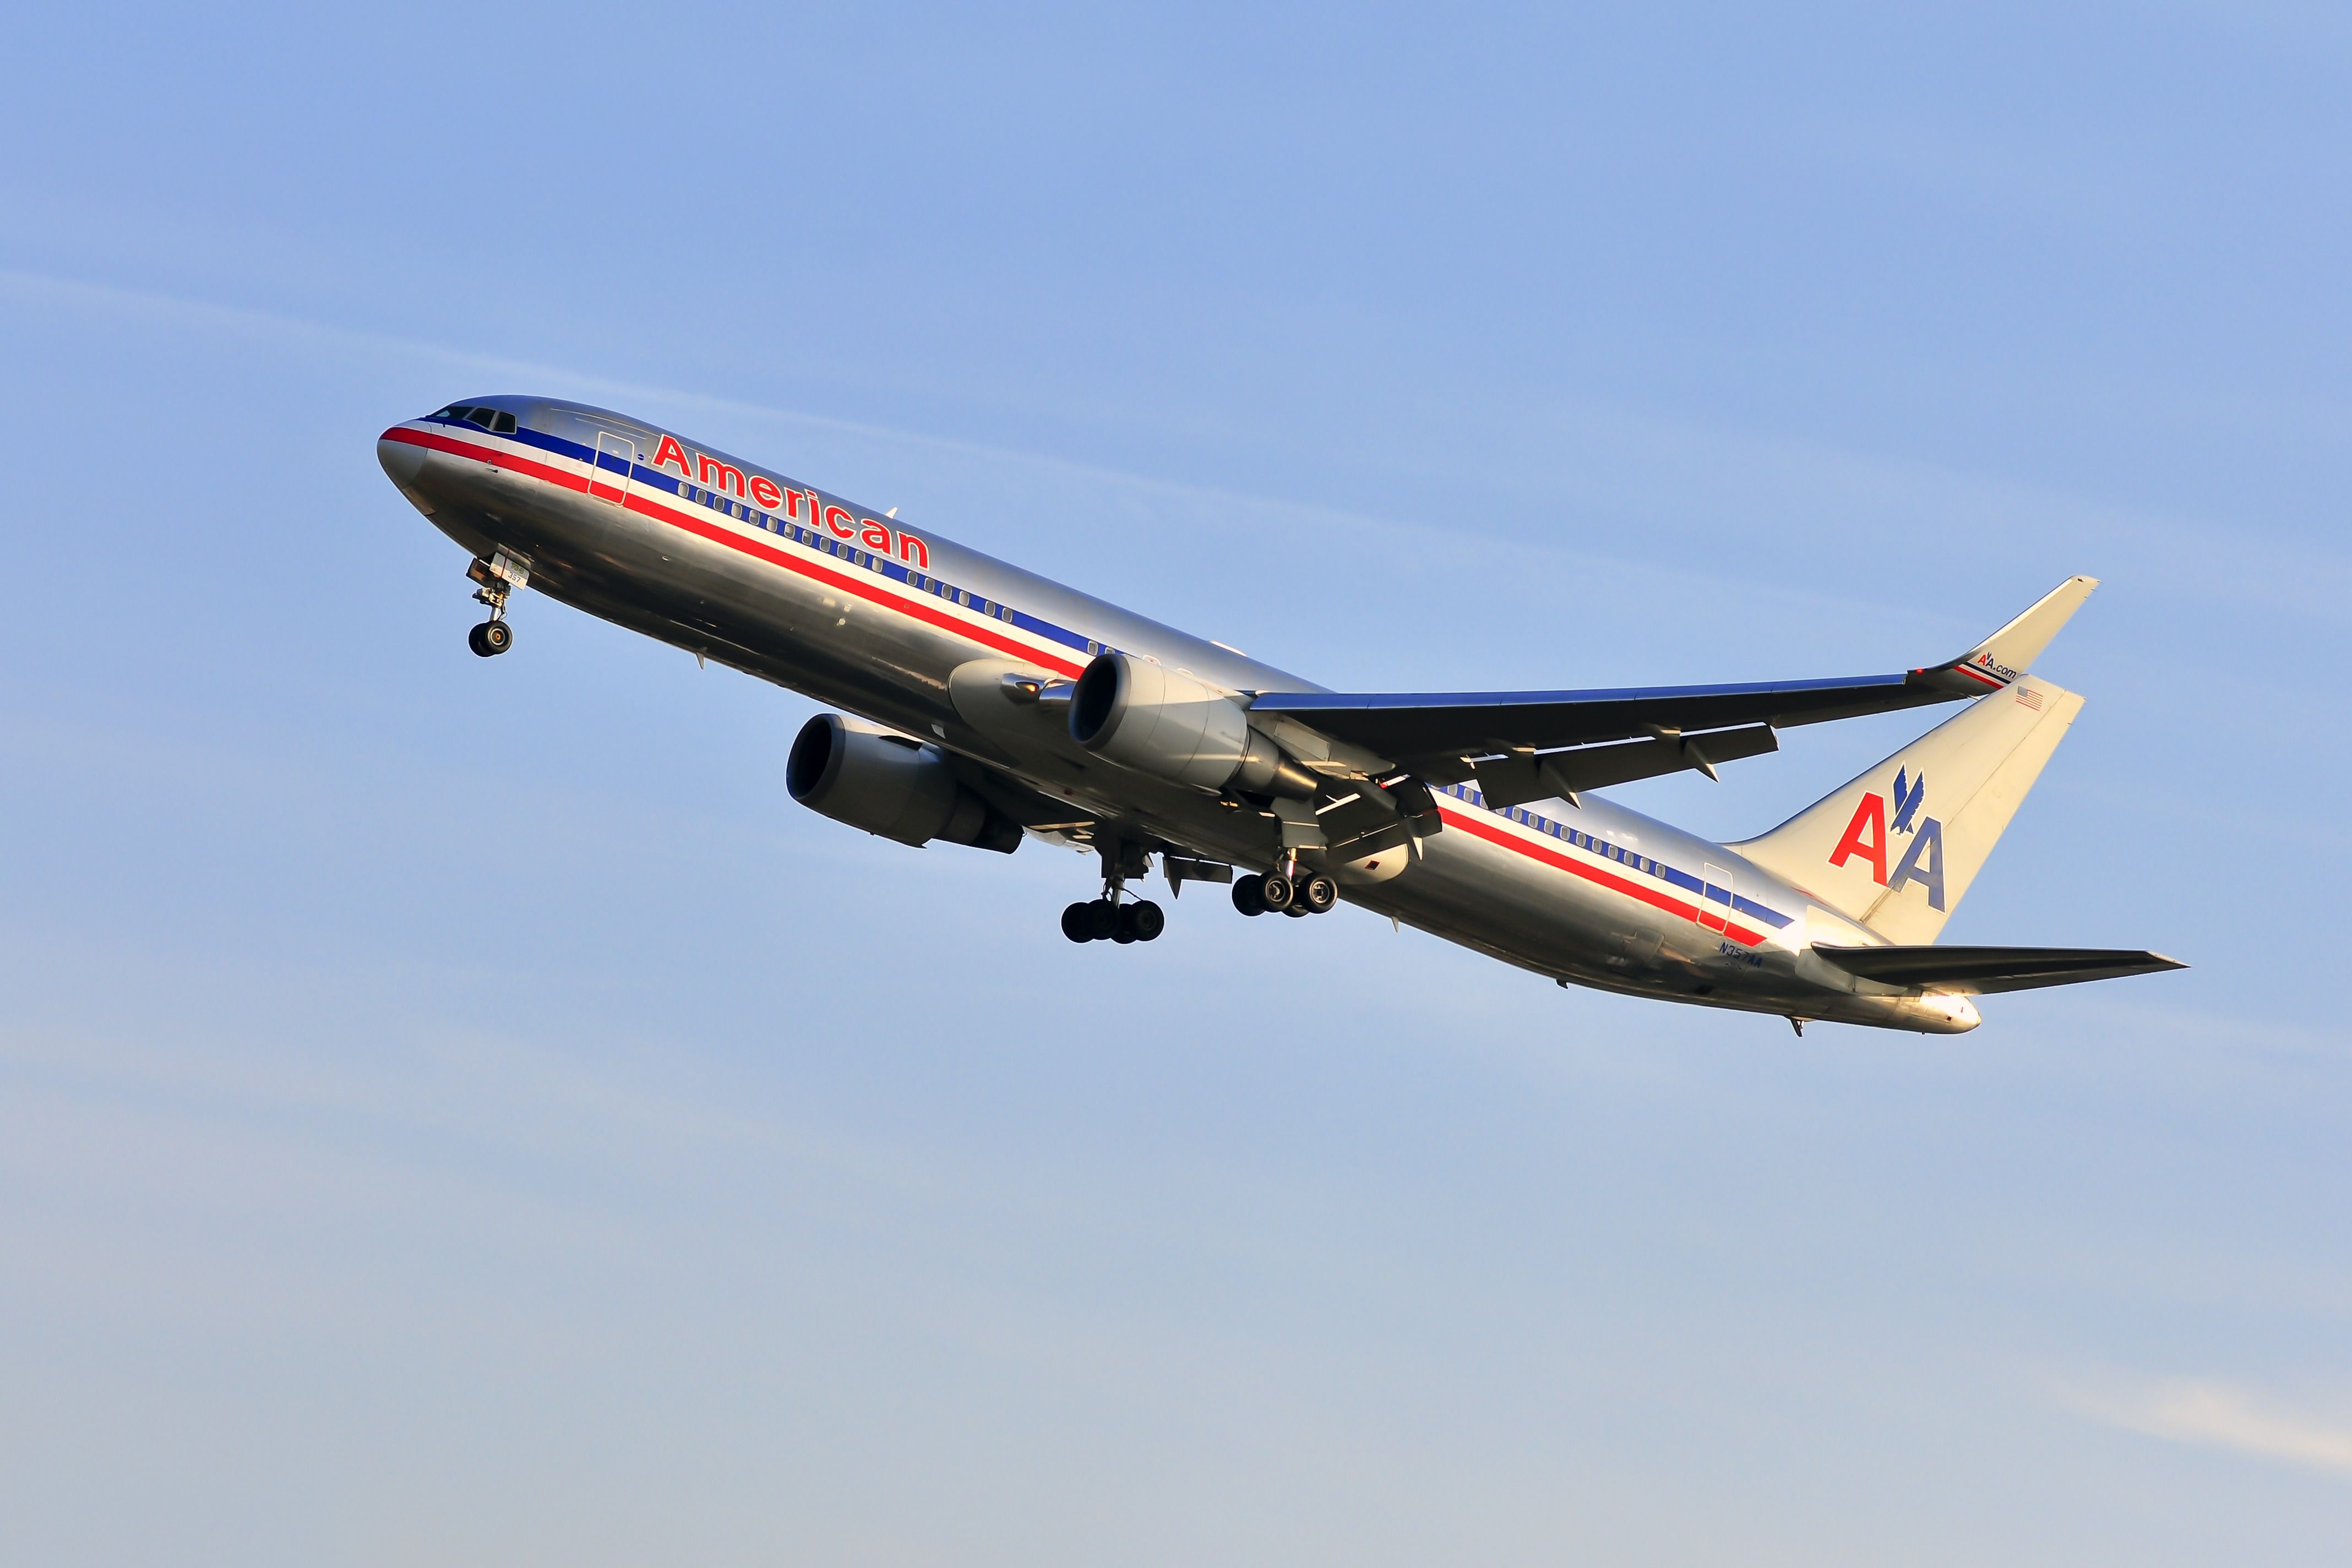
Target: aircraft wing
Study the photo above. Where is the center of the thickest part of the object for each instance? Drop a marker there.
(1977, 970)
(1438, 734)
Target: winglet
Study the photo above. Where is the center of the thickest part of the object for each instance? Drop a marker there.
(2010, 652)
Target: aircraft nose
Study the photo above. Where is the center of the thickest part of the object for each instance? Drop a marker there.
(401, 460)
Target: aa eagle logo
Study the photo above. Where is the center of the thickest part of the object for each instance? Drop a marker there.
(1907, 796)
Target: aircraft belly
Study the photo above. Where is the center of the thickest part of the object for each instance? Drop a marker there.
(1486, 896)
(748, 614)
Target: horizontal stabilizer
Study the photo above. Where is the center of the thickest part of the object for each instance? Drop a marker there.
(1979, 970)
(1433, 734)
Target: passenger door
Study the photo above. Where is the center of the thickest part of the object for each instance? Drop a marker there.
(1714, 898)
(616, 457)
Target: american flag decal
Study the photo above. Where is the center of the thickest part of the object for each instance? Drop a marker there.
(2030, 697)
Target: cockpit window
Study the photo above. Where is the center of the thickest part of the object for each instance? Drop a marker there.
(506, 425)
(454, 411)
(482, 417)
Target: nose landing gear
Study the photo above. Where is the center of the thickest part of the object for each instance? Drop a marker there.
(494, 579)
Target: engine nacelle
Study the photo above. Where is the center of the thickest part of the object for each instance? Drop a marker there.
(890, 785)
(1161, 721)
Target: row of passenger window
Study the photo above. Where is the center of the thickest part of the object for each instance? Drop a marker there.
(1623, 857)
(1561, 831)
(818, 539)
(490, 419)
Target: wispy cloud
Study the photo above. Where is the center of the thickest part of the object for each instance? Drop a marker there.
(102, 297)
(1186, 498)
(1715, 469)
(2212, 1413)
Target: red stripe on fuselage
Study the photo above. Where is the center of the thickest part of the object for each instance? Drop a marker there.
(434, 441)
(856, 584)
(1480, 824)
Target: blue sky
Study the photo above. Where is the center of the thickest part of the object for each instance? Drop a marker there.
(465, 1112)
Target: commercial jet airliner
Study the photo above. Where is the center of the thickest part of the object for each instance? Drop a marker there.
(983, 705)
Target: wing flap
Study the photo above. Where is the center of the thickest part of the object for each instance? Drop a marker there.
(1982, 970)
(1516, 780)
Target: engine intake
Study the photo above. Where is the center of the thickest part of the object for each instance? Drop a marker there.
(1163, 722)
(890, 785)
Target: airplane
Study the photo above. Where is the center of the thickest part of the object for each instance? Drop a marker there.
(983, 705)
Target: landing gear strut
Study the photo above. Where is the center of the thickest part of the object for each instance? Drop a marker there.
(494, 579)
(1109, 918)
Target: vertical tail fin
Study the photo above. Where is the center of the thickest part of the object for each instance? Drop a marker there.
(1897, 847)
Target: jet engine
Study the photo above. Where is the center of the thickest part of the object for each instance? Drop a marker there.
(890, 785)
(1163, 722)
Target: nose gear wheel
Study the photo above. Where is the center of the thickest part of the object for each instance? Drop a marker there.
(494, 580)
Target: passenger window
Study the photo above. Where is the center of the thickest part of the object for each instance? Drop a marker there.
(506, 425)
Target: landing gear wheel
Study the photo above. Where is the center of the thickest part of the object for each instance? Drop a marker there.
(1147, 919)
(1102, 919)
(1078, 923)
(1276, 891)
(1318, 893)
(1297, 912)
(490, 638)
(1125, 932)
(1249, 895)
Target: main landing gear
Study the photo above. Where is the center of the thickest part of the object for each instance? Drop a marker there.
(494, 580)
(1286, 892)
(1112, 918)
(1102, 919)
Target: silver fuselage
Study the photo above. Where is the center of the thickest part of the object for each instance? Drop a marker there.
(700, 551)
